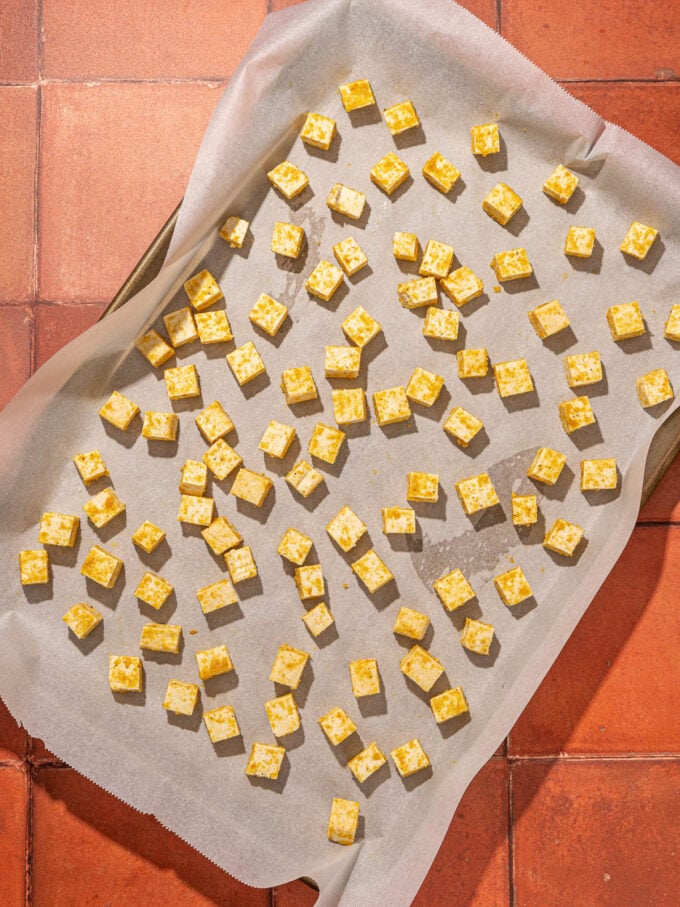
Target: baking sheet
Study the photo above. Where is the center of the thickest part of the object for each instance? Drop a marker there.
(439, 56)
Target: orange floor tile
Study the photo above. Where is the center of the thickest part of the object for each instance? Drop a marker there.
(580, 806)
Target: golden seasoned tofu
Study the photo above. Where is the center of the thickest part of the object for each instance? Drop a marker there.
(410, 758)
(599, 475)
(441, 173)
(625, 321)
(437, 258)
(287, 239)
(252, 487)
(342, 361)
(441, 324)
(654, 388)
(421, 667)
(81, 619)
(365, 677)
(462, 426)
(337, 725)
(240, 564)
(502, 203)
(355, 95)
(180, 326)
(576, 413)
(119, 411)
(477, 636)
(524, 509)
(318, 619)
(343, 821)
(283, 715)
(245, 363)
(580, 242)
(213, 662)
(324, 280)
(418, 292)
(454, 590)
(476, 493)
(401, 117)
(126, 674)
(213, 327)
(304, 478)
(277, 439)
(391, 405)
(422, 486)
(546, 466)
(345, 201)
(288, 179)
(161, 638)
(513, 377)
(563, 537)
(90, 466)
(221, 723)
(181, 697)
(268, 314)
(411, 623)
(295, 546)
(462, 286)
(561, 184)
(372, 571)
(672, 326)
(221, 536)
(288, 666)
(203, 290)
(153, 590)
(160, 426)
(349, 405)
(309, 581)
(513, 587)
(265, 761)
(449, 704)
(389, 173)
(424, 387)
(234, 231)
(368, 761)
(346, 528)
(583, 368)
(398, 520)
(548, 319)
(152, 346)
(61, 528)
(318, 131)
(511, 265)
(325, 442)
(221, 459)
(213, 422)
(350, 256)
(472, 363)
(196, 510)
(405, 246)
(100, 566)
(216, 595)
(485, 139)
(638, 240)
(360, 327)
(100, 510)
(194, 477)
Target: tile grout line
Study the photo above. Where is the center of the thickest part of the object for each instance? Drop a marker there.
(29, 836)
(499, 16)
(36, 196)
(511, 837)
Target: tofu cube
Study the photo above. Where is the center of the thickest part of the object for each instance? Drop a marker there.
(295, 546)
(346, 528)
(472, 363)
(326, 442)
(349, 405)
(360, 328)
(389, 173)
(638, 240)
(561, 184)
(342, 361)
(160, 426)
(277, 439)
(350, 256)
(411, 623)
(365, 677)
(449, 704)
(100, 509)
(441, 173)
(398, 520)
(268, 314)
(599, 475)
(194, 478)
(221, 459)
(252, 487)
(391, 405)
(421, 667)
(283, 715)
(454, 590)
(213, 662)
(220, 535)
(90, 466)
(318, 619)
(213, 327)
(441, 324)
(324, 280)
(502, 203)
(343, 821)
(126, 674)
(180, 326)
(419, 292)
(355, 95)
(405, 246)
(462, 426)
(462, 286)
(513, 377)
(216, 595)
(287, 239)
(318, 131)
(60, 529)
(119, 411)
(546, 466)
(221, 723)
(99, 566)
(81, 619)
(548, 319)
(410, 758)
(234, 231)
(511, 265)
(309, 581)
(288, 179)
(348, 202)
(524, 509)
(213, 422)
(672, 326)
(288, 666)
(424, 387)
(437, 258)
(563, 537)
(401, 117)
(580, 242)
(337, 725)
(265, 761)
(196, 510)
(477, 493)
(372, 571)
(365, 763)
(654, 388)
(485, 139)
(576, 413)
(181, 697)
(625, 321)
(246, 363)
(154, 348)
(161, 638)
(422, 486)
(476, 636)
(203, 290)
(240, 564)
(304, 478)
(153, 590)
(513, 587)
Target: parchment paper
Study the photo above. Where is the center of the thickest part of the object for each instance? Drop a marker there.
(458, 73)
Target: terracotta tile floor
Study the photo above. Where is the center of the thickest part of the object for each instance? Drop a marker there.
(581, 804)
